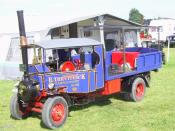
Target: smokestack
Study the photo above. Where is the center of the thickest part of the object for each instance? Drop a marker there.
(23, 41)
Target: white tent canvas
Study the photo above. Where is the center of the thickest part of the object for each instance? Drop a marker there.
(166, 28)
(10, 54)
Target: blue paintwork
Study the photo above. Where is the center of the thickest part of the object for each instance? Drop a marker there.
(75, 82)
(99, 67)
(141, 50)
(40, 68)
(32, 69)
(39, 78)
(149, 59)
(93, 79)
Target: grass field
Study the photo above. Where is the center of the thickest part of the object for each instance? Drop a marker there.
(155, 112)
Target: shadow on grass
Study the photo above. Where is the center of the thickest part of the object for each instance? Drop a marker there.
(38, 116)
(99, 101)
(43, 126)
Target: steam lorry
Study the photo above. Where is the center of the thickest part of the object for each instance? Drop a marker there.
(58, 78)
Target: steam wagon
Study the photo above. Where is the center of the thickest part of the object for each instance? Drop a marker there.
(67, 72)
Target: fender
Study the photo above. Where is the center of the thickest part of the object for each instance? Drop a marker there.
(127, 82)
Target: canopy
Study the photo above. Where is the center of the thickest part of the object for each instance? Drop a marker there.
(108, 18)
(65, 43)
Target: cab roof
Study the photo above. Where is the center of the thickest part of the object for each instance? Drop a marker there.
(66, 43)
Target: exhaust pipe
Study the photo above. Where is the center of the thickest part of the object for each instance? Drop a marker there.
(27, 88)
(23, 42)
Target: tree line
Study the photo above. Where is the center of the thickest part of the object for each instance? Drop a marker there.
(136, 16)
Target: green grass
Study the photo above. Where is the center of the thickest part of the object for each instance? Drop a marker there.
(155, 112)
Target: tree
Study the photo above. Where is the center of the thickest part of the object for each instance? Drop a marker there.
(136, 16)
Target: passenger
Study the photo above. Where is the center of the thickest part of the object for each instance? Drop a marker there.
(80, 50)
(50, 59)
(62, 54)
(55, 55)
(73, 52)
(85, 50)
(116, 48)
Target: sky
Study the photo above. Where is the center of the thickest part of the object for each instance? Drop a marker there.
(40, 14)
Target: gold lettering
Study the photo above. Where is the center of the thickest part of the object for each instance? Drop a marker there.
(50, 80)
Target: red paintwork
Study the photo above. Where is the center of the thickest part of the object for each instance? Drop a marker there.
(117, 58)
(25, 112)
(37, 105)
(145, 36)
(61, 89)
(57, 113)
(38, 110)
(67, 66)
(139, 90)
(142, 35)
(112, 86)
(42, 95)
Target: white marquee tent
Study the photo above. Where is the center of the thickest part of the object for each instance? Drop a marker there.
(10, 55)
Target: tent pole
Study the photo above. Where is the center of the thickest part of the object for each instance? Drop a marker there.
(124, 54)
(102, 36)
(158, 28)
(101, 25)
(139, 43)
(168, 54)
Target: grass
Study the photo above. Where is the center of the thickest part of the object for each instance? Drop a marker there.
(155, 112)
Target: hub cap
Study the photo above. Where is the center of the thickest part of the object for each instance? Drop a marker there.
(57, 113)
(140, 90)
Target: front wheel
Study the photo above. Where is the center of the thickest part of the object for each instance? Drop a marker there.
(55, 112)
(16, 109)
(138, 89)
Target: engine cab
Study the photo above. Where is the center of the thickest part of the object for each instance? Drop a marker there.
(68, 68)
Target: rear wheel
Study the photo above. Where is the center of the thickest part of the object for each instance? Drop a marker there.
(138, 89)
(55, 112)
(16, 109)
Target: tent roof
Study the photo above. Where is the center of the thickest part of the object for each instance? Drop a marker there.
(91, 17)
(63, 43)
